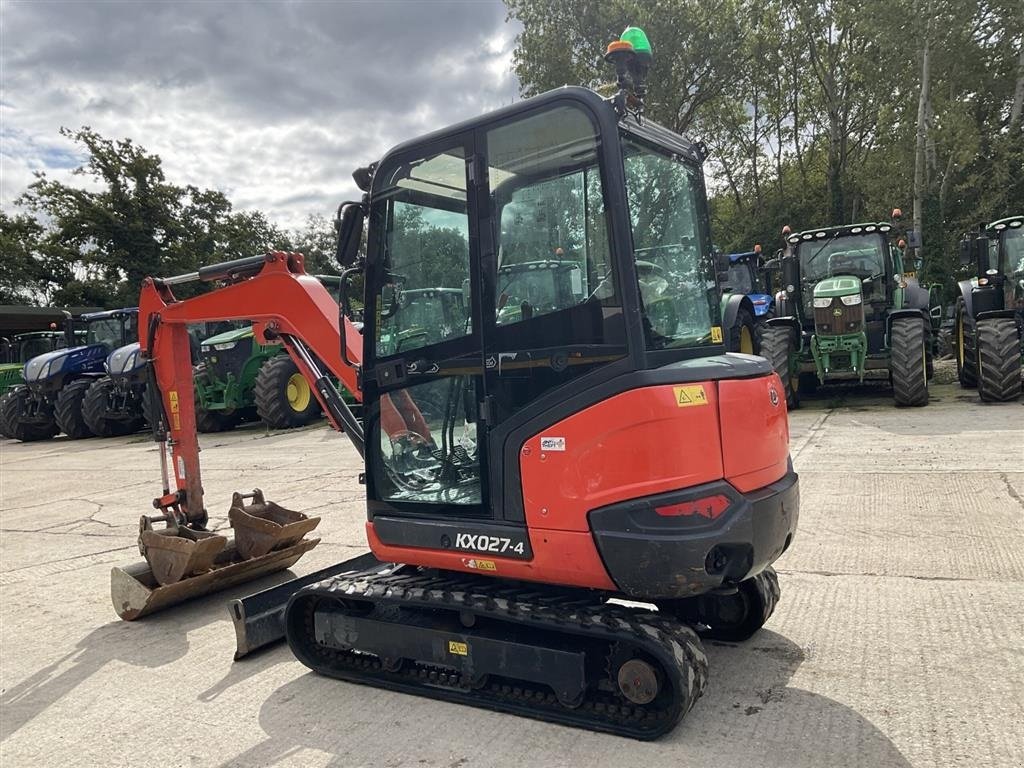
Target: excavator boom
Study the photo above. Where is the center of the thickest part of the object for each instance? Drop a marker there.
(184, 560)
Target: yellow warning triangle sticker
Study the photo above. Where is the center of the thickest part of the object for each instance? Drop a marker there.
(690, 395)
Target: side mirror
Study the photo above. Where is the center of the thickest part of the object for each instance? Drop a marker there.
(350, 231)
(773, 264)
(721, 261)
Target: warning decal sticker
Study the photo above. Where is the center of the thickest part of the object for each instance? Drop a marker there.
(690, 395)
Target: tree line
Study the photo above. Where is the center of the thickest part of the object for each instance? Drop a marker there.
(91, 245)
(818, 112)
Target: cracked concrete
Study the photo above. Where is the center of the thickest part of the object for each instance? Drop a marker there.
(897, 641)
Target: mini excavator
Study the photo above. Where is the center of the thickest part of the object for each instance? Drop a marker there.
(569, 482)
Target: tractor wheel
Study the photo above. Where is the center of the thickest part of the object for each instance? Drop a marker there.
(214, 421)
(998, 360)
(908, 361)
(777, 348)
(68, 410)
(734, 617)
(964, 347)
(12, 417)
(97, 416)
(5, 430)
(741, 334)
(284, 398)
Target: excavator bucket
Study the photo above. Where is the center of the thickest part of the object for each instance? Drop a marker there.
(182, 564)
(263, 526)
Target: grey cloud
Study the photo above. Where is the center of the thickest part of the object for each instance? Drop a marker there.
(274, 102)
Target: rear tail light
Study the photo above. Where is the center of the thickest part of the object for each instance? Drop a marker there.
(708, 507)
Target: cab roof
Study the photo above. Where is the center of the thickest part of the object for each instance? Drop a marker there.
(736, 257)
(1010, 222)
(824, 233)
(651, 131)
(109, 313)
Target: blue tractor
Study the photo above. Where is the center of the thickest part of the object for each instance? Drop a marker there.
(748, 276)
(52, 397)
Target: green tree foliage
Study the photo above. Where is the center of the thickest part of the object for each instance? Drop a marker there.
(810, 108)
(93, 244)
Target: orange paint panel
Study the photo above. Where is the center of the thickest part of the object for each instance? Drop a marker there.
(755, 431)
(637, 443)
(559, 557)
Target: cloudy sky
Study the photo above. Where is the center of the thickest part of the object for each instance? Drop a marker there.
(274, 103)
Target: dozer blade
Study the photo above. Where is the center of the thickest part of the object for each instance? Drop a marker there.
(259, 618)
(135, 591)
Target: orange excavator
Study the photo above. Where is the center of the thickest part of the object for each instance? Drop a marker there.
(569, 482)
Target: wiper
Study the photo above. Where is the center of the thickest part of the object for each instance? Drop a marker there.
(824, 245)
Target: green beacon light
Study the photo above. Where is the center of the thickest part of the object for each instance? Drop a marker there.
(641, 45)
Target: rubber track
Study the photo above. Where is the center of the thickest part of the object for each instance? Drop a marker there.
(674, 645)
(907, 361)
(68, 410)
(998, 360)
(776, 347)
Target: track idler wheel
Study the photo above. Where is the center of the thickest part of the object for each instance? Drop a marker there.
(638, 681)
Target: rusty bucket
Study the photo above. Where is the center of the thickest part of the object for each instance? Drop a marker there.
(263, 526)
(174, 555)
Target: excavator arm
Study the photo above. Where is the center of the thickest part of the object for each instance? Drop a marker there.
(286, 306)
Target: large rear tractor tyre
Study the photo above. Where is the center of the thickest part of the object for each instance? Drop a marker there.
(214, 421)
(68, 410)
(741, 335)
(5, 430)
(12, 417)
(733, 617)
(908, 361)
(284, 398)
(998, 360)
(97, 415)
(778, 347)
(964, 347)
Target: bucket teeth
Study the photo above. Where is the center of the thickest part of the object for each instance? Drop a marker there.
(263, 526)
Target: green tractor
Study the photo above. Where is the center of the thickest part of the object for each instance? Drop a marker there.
(990, 311)
(238, 379)
(17, 351)
(851, 309)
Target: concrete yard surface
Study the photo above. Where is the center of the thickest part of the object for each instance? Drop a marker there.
(899, 639)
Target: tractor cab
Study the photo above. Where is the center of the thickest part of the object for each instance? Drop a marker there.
(847, 280)
(747, 275)
(578, 232)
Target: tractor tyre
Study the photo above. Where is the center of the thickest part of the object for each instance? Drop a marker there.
(964, 347)
(12, 417)
(908, 367)
(5, 430)
(734, 617)
(97, 415)
(778, 347)
(147, 406)
(741, 335)
(214, 421)
(284, 398)
(68, 410)
(998, 360)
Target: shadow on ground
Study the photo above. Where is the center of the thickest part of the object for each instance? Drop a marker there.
(749, 715)
(151, 643)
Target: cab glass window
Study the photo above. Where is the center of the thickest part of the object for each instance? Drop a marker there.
(674, 268)
(426, 296)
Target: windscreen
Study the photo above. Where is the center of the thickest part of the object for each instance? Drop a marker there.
(857, 255)
(1013, 247)
(739, 279)
(105, 331)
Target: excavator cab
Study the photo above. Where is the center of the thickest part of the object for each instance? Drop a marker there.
(580, 234)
